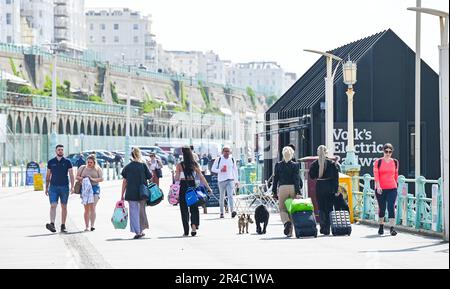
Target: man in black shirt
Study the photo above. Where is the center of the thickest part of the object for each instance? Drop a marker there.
(57, 187)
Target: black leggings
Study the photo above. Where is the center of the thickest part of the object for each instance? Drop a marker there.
(185, 210)
(387, 199)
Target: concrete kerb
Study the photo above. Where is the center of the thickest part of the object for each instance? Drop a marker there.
(404, 229)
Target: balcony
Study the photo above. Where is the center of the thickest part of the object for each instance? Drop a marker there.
(61, 22)
(61, 11)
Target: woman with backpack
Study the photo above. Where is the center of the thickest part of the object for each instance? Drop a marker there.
(91, 174)
(185, 173)
(385, 171)
(326, 171)
(135, 174)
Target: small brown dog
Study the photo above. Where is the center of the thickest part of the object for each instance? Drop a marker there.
(243, 222)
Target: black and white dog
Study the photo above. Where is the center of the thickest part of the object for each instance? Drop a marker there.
(261, 216)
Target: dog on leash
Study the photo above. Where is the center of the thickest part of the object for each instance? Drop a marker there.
(243, 222)
(261, 217)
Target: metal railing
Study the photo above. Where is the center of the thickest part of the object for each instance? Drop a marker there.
(38, 101)
(16, 176)
(415, 211)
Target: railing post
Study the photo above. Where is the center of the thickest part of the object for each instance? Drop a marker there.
(22, 176)
(439, 207)
(107, 168)
(114, 171)
(419, 200)
(366, 201)
(10, 176)
(402, 200)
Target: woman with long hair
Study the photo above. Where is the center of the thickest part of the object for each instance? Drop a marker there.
(286, 184)
(185, 174)
(94, 175)
(326, 172)
(134, 175)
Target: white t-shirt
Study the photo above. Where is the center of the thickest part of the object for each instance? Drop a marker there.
(230, 174)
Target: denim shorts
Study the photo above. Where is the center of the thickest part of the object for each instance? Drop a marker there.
(96, 190)
(58, 192)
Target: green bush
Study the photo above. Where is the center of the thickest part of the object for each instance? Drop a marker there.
(95, 98)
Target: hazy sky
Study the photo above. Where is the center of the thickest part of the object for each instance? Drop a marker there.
(279, 30)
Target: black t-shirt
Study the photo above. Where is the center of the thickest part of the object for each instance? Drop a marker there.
(60, 171)
(135, 173)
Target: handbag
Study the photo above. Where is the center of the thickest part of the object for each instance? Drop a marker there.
(159, 173)
(174, 194)
(202, 195)
(119, 218)
(191, 197)
(155, 196)
(77, 186)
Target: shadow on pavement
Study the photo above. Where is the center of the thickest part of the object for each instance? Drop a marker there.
(376, 236)
(130, 239)
(42, 235)
(412, 249)
(173, 237)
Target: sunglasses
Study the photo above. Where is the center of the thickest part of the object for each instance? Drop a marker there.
(226, 151)
(388, 152)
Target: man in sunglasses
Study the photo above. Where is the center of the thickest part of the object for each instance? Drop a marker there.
(385, 171)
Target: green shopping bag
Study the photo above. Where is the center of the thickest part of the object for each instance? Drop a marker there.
(299, 205)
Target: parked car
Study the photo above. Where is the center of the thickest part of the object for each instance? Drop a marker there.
(157, 151)
(101, 156)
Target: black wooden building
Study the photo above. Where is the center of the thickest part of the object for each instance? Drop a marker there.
(383, 108)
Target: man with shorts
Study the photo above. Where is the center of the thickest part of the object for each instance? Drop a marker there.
(57, 187)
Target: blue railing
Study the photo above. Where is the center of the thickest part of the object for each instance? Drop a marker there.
(413, 210)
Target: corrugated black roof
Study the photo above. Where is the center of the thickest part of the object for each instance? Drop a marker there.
(310, 88)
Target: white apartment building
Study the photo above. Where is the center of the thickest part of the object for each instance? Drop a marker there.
(70, 24)
(266, 77)
(37, 21)
(122, 36)
(216, 69)
(10, 21)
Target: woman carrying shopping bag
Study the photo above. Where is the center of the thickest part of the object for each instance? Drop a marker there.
(135, 174)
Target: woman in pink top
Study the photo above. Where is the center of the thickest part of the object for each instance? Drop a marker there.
(385, 171)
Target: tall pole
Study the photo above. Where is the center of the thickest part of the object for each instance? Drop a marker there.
(53, 136)
(329, 85)
(128, 121)
(329, 112)
(444, 103)
(417, 95)
(443, 106)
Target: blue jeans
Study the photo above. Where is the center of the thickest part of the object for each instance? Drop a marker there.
(226, 187)
(58, 192)
(387, 199)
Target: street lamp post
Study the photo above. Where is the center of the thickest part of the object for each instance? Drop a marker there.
(350, 166)
(329, 84)
(53, 136)
(128, 119)
(444, 107)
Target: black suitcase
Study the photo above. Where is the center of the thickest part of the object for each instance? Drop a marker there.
(340, 223)
(304, 224)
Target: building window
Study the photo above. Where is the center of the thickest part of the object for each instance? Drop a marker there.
(8, 39)
(102, 26)
(116, 26)
(116, 39)
(91, 26)
(8, 2)
(8, 18)
(40, 13)
(91, 38)
(136, 26)
(136, 39)
(103, 39)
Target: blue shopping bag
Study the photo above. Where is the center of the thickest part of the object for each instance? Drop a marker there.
(156, 195)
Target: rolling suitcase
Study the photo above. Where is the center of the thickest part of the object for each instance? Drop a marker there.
(340, 223)
(305, 224)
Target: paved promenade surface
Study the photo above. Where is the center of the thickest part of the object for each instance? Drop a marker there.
(25, 243)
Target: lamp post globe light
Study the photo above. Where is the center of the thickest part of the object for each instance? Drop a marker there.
(349, 75)
(443, 105)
